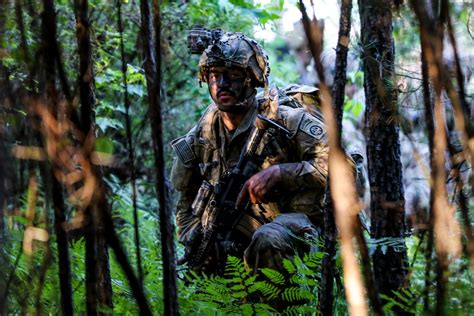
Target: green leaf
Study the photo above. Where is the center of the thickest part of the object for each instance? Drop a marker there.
(274, 276)
(105, 123)
(104, 144)
(135, 89)
(289, 266)
(293, 294)
(357, 109)
(268, 290)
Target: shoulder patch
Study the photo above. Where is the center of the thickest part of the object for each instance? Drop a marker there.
(183, 150)
(311, 127)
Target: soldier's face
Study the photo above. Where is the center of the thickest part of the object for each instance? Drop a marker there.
(227, 88)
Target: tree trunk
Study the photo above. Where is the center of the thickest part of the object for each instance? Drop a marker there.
(2, 185)
(326, 298)
(446, 229)
(152, 59)
(131, 156)
(98, 282)
(342, 185)
(2, 131)
(4, 101)
(49, 39)
(383, 145)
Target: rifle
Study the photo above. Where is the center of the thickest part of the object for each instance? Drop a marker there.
(218, 203)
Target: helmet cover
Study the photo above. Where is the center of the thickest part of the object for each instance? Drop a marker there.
(236, 50)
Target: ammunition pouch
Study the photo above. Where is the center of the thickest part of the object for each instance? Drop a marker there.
(202, 198)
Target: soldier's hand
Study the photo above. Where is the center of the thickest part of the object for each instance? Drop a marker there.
(260, 186)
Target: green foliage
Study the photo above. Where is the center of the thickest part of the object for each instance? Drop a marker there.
(459, 298)
(33, 280)
(241, 292)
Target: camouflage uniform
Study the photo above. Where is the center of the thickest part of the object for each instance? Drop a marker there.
(302, 160)
(268, 231)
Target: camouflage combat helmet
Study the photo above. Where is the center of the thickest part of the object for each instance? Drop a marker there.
(236, 50)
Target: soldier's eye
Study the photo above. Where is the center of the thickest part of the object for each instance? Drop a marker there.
(236, 75)
(214, 76)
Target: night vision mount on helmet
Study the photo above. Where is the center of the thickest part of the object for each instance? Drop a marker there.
(229, 49)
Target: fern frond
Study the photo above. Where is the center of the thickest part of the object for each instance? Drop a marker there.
(256, 309)
(238, 287)
(297, 261)
(239, 295)
(304, 270)
(274, 276)
(264, 309)
(293, 294)
(303, 280)
(299, 310)
(268, 290)
(247, 310)
(234, 267)
(289, 266)
(250, 280)
(313, 259)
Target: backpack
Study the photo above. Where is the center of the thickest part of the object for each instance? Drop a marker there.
(299, 96)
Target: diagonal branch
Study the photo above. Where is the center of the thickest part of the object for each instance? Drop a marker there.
(344, 196)
(326, 298)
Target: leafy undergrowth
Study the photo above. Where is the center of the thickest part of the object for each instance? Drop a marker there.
(241, 292)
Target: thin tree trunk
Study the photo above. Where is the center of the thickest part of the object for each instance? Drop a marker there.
(3, 96)
(49, 37)
(445, 226)
(342, 49)
(113, 241)
(342, 184)
(166, 214)
(326, 298)
(469, 128)
(131, 156)
(3, 157)
(462, 115)
(63, 250)
(440, 202)
(383, 145)
(429, 121)
(152, 60)
(21, 27)
(98, 282)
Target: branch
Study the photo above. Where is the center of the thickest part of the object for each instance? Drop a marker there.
(343, 192)
(326, 298)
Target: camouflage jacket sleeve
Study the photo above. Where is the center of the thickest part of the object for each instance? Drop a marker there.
(185, 178)
(310, 144)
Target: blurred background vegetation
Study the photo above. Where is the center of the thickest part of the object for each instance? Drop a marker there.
(28, 285)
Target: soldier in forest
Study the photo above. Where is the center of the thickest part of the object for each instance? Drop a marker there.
(276, 206)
